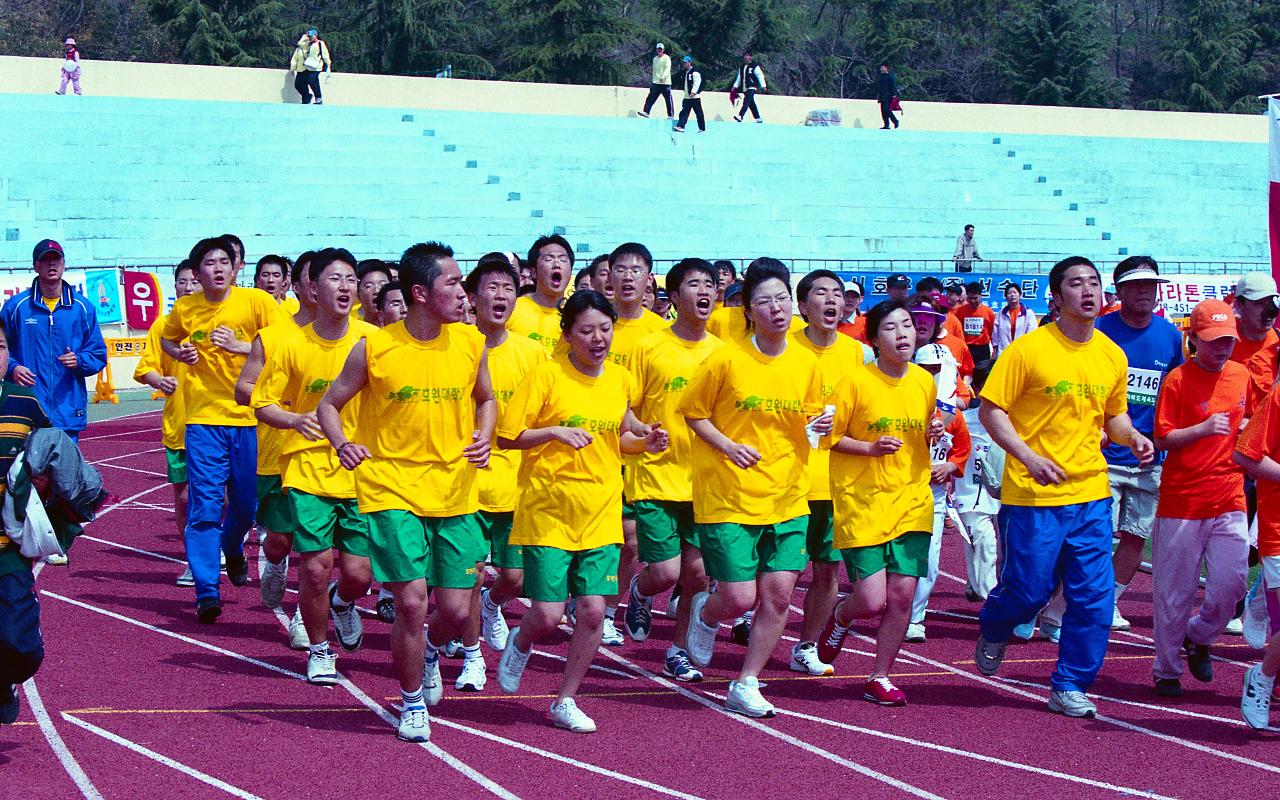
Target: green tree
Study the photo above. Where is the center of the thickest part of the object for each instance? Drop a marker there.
(564, 41)
(420, 37)
(1053, 55)
(1207, 58)
(236, 33)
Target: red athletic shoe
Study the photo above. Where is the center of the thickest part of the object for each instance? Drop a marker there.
(831, 640)
(882, 692)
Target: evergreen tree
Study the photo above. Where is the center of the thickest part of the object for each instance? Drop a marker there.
(235, 33)
(1207, 58)
(1053, 55)
(564, 41)
(421, 37)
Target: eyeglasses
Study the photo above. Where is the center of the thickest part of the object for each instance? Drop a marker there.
(778, 301)
(632, 269)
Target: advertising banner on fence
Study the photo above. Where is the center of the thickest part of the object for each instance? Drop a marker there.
(142, 299)
(12, 283)
(102, 289)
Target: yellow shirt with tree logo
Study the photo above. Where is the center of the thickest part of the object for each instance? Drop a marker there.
(509, 363)
(835, 363)
(536, 322)
(173, 427)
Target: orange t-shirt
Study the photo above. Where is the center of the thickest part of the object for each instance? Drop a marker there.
(1262, 438)
(953, 325)
(1110, 309)
(1262, 375)
(856, 327)
(977, 323)
(1247, 348)
(1200, 481)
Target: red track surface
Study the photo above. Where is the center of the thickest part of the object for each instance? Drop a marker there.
(140, 699)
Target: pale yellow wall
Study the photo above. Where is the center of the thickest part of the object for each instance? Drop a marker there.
(177, 81)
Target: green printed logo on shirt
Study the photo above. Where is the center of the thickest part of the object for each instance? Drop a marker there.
(199, 336)
(897, 425)
(425, 394)
(676, 384)
(591, 425)
(1069, 388)
(769, 405)
(318, 386)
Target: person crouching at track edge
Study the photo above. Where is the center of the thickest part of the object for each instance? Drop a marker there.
(749, 408)
(1048, 397)
(427, 413)
(571, 416)
(883, 505)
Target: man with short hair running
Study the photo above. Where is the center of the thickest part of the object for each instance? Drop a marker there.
(537, 315)
(1047, 398)
(420, 492)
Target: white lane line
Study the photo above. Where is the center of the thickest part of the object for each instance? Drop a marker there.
(128, 499)
(128, 455)
(51, 734)
(110, 543)
(127, 416)
(147, 472)
(154, 756)
(121, 433)
(901, 656)
(1043, 771)
(1222, 659)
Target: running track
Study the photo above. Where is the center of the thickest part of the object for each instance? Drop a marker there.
(135, 697)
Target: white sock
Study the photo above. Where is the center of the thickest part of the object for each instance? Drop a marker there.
(1120, 589)
(319, 649)
(1266, 680)
(412, 699)
(472, 653)
(431, 653)
(337, 603)
(489, 604)
(610, 612)
(382, 593)
(673, 650)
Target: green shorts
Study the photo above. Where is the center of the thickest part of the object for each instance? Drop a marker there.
(274, 512)
(661, 525)
(322, 523)
(175, 462)
(735, 552)
(442, 550)
(628, 510)
(552, 575)
(821, 537)
(907, 554)
(496, 527)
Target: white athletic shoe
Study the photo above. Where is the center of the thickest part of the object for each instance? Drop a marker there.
(567, 715)
(298, 639)
(186, 578)
(493, 624)
(346, 622)
(1072, 704)
(432, 685)
(415, 725)
(804, 658)
(452, 649)
(702, 637)
(610, 635)
(473, 676)
(1255, 699)
(511, 665)
(322, 669)
(1234, 627)
(1255, 626)
(744, 698)
(915, 633)
(272, 586)
(1118, 622)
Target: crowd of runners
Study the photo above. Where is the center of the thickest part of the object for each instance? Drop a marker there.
(457, 442)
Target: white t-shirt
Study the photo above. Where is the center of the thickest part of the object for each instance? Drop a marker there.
(970, 495)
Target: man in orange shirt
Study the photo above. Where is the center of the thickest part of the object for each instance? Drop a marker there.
(1200, 516)
(1256, 300)
(853, 324)
(977, 321)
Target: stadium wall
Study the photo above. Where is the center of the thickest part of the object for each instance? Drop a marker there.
(190, 82)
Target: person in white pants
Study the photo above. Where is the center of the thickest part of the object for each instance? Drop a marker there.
(977, 498)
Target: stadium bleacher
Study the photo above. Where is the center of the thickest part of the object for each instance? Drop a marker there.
(137, 181)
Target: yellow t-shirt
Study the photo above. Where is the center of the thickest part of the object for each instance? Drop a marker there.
(296, 376)
(509, 363)
(51, 302)
(570, 499)
(417, 415)
(211, 396)
(536, 322)
(627, 333)
(835, 363)
(271, 440)
(765, 403)
(663, 367)
(174, 425)
(878, 498)
(1058, 394)
(729, 323)
(290, 305)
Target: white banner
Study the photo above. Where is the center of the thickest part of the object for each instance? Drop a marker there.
(1183, 292)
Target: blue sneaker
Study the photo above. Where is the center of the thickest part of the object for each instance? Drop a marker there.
(678, 666)
(1025, 631)
(1051, 632)
(639, 617)
(9, 705)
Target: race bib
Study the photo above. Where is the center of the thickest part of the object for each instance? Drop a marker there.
(940, 449)
(973, 326)
(1144, 385)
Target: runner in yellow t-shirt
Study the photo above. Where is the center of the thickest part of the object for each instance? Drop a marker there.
(372, 274)
(167, 376)
(321, 494)
(750, 407)
(537, 315)
(210, 331)
(568, 415)
(820, 296)
(271, 275)
(422, 374)
(1049, 396)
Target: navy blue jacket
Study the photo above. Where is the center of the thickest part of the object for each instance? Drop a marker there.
(37, 336)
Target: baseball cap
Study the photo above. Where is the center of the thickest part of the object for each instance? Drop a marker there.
(687, 59)
(927, 309)
(1137, 270)
(1256, 286)
(853, 286)
(44, 247)
(660, 46)
(931, 355)
(312, 32)
(69, 40)
(734, 290)
(897, 280)
(1213, 319)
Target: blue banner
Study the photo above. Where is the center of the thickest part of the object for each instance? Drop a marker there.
(1035, 288)
(102, 287)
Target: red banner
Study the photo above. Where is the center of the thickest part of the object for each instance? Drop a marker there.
(142, 299)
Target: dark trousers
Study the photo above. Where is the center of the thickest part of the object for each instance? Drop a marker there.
(886, 114)
(307, 83)
(749, 104)
(980, 352)
(694, 105)
(21, 646)
(662, 90)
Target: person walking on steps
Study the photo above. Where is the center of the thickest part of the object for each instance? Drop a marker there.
(886, 92)
(692, 101)
(750, 79)
(310, 59)
(661, 85)
(70, 67)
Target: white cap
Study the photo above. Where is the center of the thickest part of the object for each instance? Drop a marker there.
(852, 286)
(1256, 286)
(660, 46)
(930, 355)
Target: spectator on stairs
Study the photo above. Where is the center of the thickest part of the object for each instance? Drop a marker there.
(70, 67)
